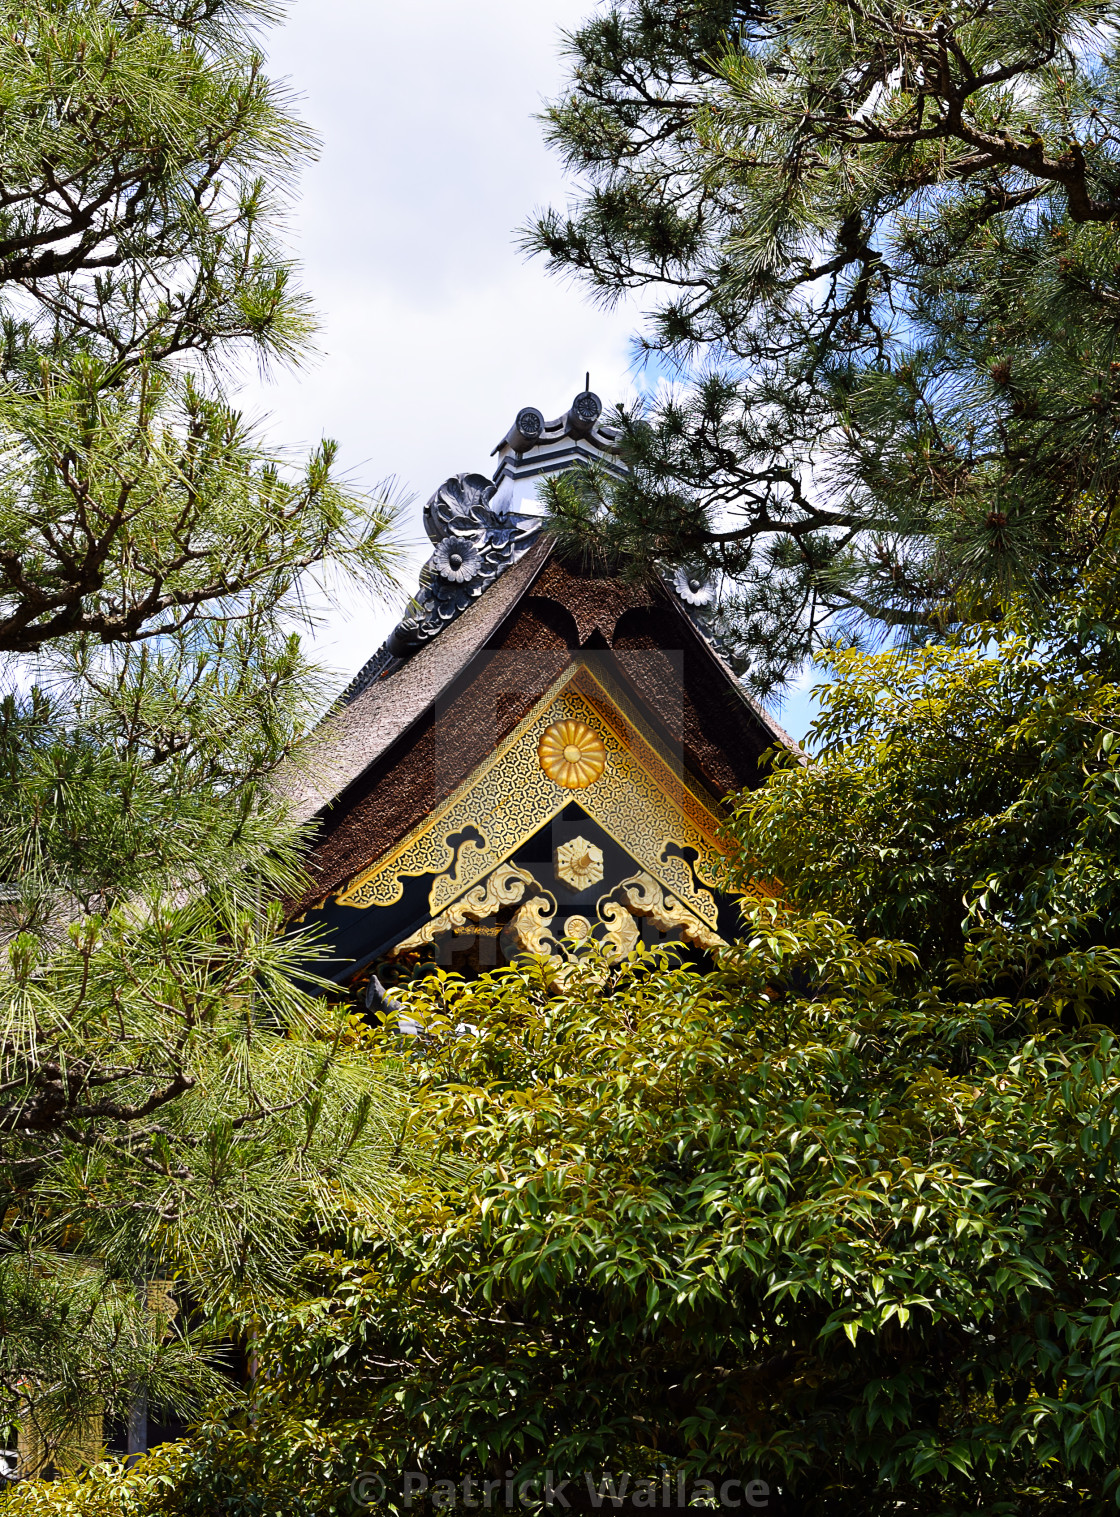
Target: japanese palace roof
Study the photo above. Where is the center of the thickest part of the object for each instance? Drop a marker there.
(430, 773)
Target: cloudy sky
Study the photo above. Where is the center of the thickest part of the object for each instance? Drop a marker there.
(435, 328)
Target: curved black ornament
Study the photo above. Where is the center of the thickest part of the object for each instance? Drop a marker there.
(584, 413)
(530, 423)
(474, 544)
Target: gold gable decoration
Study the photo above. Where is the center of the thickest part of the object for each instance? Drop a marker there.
(505, 887)
(578, 864)
(572, 754)
(614, 929)
(633, 794)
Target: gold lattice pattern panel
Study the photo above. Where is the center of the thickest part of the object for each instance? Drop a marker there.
(511, 797)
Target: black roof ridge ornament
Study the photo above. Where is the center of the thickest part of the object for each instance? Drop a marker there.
(481, 527)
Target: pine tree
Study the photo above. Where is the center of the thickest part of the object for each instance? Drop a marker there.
(177, 1100)
(882, 243)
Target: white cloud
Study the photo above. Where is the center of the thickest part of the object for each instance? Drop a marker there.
(435, 328)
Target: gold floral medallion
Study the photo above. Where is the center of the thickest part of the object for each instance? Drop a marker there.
(578, 929)
(572, 754)
(579, 864)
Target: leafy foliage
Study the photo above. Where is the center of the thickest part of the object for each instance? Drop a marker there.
(964, 797)
(796, 1221)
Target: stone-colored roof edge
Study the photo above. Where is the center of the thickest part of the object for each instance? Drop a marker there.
(352, 737)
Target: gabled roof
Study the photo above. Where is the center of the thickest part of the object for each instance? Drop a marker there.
(377, 708)
(496, 619)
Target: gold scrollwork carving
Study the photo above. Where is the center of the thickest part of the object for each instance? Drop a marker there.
(615, 932)
(638, 801)
(470, 858)
(645, 898)
(505, 887)
(529, 930)
(677, 875)
(622, 930)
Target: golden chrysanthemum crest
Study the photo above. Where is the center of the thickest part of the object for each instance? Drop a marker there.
(572, 754)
